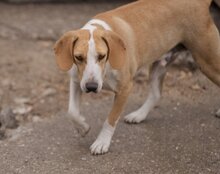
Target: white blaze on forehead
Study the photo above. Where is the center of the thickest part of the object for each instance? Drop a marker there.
(99, 22)
(92, 72)
(91, 54)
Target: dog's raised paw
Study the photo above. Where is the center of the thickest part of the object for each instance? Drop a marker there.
(99, 147)
(80, 124)
(83, 129)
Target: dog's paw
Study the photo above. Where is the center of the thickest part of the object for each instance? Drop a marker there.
(83, 129)
(102, 143)
(134, 117)
(99, 147)
(79, 121)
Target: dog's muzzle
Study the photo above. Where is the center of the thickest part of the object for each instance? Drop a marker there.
(91, 87)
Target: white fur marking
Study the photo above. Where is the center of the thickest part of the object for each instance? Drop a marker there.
(99, 22)
(102, 143)
(111, 75)
(92, 72)
(141, 114)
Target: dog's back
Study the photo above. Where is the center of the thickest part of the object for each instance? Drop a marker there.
(166, 21)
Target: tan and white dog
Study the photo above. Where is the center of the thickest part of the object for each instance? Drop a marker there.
(109, 50)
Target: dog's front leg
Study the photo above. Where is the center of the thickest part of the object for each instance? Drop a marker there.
(74, 105)
(102, 143)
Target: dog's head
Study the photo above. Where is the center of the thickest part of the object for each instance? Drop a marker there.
(90, 51)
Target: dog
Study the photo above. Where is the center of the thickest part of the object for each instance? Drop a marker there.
(108, 51)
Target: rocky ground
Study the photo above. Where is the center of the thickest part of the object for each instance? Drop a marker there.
(180, 136)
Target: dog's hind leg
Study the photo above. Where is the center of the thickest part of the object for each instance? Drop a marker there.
(205, 48)
(157, 74)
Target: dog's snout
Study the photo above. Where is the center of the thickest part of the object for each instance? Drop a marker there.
(91, 87)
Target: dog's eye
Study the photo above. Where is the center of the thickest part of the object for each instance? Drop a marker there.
(101, 57)
(79, 58)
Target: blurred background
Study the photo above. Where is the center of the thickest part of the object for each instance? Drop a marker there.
(181, 135)
(62, 1)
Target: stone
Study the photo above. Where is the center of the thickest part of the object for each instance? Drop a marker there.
(8, 118)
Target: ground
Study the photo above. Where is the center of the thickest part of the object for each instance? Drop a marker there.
(180, 136)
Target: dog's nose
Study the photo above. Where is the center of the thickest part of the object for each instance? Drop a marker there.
(91, 87)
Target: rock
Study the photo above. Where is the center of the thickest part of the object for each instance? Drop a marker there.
(2, 134)
(36, 118)
(6, 82)
(22, 100)
(49, 92)
(83, 159)
(22, 110)
(8, 119)
(217, 114)
(46, 44)
(196, 87)
(182, 75)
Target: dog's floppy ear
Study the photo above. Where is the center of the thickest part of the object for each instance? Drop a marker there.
(64, 50)
(116, 48)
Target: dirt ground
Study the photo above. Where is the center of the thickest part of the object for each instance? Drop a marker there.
(180, 136)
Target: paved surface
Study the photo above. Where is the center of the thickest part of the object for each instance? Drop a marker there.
(180, 136)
